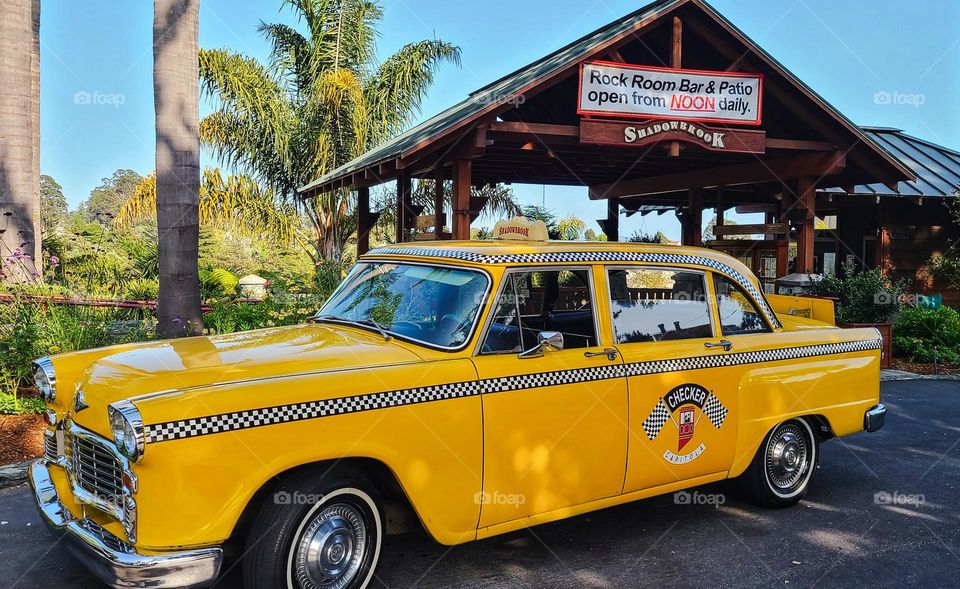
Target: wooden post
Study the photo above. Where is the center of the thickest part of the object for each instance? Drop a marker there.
(403, 205)
(462, 183)
(363, 220)
(883, 236)
(612, 227)
(694, 218)
(438, 203)
(720, 210)
(675, 61)
(806, 195)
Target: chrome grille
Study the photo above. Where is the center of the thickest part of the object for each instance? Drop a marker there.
(50, 445)
(95, 469)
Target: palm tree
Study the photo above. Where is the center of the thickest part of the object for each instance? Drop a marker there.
(237, 203)
(322, 99)
(177, 102)
(19, 139)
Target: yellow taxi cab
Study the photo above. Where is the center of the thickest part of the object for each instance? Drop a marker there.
(476, 387)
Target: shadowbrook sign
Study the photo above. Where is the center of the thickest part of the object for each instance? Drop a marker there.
(623, 90)
(642, 134)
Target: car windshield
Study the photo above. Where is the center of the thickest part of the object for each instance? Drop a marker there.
(429, 304)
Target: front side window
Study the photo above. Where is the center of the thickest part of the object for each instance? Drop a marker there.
(738, 314)
(535, 301)
(429, 304)
(651, 305)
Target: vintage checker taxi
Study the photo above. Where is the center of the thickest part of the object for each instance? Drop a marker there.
(473, 387)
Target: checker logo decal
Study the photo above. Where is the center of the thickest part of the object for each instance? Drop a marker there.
(711, 406)
(684, 406)
(587, 257)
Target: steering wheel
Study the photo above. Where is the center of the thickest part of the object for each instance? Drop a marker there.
(397, 324)
(449, 323)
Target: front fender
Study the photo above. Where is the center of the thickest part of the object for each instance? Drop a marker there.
(194, 489)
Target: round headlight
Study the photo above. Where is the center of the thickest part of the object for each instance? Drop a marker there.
(127, 426)
(45, 379)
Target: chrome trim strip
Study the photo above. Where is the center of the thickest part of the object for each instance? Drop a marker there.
(225, 422)
(112, 560)
(114, 508)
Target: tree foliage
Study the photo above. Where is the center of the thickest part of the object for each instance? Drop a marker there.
(53, 206)
(321, 99)
(108, 198)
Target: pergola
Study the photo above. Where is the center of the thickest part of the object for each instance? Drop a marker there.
(525, 128)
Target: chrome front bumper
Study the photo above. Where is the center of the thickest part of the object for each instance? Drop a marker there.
(112, 560)
(873, 418)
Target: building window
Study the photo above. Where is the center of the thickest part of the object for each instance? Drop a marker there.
(651, 305)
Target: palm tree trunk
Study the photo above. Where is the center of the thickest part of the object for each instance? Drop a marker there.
(19, 138)
(177, 103)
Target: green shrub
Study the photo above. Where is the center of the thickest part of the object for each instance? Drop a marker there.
(863, 297)
(11, 404)
(229, 316)
(925, 335)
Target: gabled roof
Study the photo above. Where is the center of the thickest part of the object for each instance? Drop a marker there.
(937, 168)
(488, 99)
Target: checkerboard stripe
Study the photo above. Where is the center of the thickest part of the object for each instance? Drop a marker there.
(586, 258)
(716, 412)
(656, 420)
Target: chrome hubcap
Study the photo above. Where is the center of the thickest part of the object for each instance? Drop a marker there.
(331, 549)
(787, 457)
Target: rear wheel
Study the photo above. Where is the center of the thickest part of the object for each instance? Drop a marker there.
(315, 535)
(785, 464)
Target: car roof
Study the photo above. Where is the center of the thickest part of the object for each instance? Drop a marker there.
(500, 251)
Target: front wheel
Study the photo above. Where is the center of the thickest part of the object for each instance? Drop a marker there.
(315, 535)
(785, 464)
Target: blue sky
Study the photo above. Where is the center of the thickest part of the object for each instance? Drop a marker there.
(97, 70)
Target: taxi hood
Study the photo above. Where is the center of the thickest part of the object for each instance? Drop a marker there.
(152, 367)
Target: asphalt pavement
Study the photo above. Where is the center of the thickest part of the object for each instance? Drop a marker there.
(884, 511)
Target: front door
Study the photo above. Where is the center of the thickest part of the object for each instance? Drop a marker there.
(681, 402)
(554, 426)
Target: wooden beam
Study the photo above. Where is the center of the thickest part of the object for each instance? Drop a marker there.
(544, 129)
(817, 165)
(404, 195)
(612, 227)
(751, 229)
(438, 202)
(675, 61)
(615, 56)
(800, 144)
(806, 200)
(364, 223)
(694, 217)
(462, 184)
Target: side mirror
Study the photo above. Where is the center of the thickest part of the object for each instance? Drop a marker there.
(547, 341)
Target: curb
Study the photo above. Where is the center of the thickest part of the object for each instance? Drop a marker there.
(912, 376)
(13, 474)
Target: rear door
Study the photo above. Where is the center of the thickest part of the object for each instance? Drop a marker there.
(682, 402)
(554, 427)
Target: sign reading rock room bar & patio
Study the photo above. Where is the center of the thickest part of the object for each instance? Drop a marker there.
(644, 133)
(623, 90)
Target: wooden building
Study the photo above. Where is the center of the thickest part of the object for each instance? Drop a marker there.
(798, 159)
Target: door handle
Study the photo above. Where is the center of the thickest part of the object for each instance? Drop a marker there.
(610, 353)
(724, 343)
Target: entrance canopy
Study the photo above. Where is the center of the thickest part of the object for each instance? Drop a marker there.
(543, 124)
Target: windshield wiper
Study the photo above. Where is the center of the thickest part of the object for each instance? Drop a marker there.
(368, 322)
(375, 325)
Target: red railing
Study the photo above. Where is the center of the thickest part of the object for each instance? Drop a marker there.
(87, 302)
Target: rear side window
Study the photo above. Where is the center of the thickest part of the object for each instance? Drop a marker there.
(738, 314)
(651, 305)
(545, 300)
